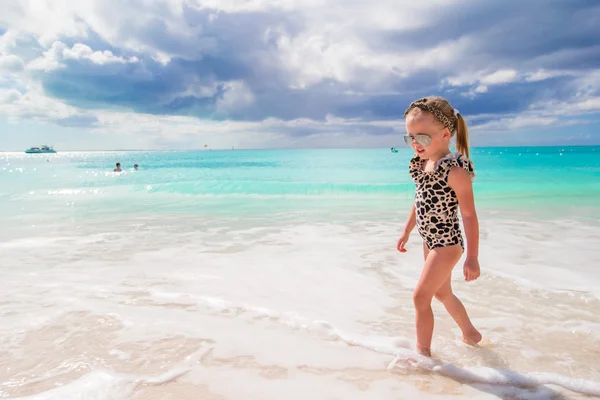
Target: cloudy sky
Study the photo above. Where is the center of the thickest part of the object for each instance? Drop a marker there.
(178, 74)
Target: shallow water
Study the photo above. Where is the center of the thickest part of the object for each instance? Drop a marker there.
(111, 289)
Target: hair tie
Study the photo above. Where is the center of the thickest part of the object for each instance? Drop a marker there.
(456, 112)
(423, 105)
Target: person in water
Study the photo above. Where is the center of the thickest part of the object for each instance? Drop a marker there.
(118, 168)
(443, 181)
(135, 167)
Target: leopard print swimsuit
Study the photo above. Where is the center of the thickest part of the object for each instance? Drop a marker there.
(436, 204)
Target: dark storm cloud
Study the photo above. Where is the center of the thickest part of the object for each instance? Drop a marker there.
(221, 47)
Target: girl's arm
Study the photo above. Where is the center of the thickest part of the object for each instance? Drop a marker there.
(408, 227)
(460, 181)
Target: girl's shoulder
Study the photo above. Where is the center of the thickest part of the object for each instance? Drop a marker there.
(443, 166)
(456, 159)
(415, 166)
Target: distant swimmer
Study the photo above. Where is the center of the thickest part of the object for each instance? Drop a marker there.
(135, 166)
(118, 168)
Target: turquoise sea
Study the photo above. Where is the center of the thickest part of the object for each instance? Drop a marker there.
(80, 185)
(277, 270)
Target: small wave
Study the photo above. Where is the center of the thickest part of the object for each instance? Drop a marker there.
(280, 188)
(64, 192)
(98, 384)
(400, 349)
(117, 192)
(501, 376)
(104, 384)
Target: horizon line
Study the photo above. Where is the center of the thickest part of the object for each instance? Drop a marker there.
(289, 148)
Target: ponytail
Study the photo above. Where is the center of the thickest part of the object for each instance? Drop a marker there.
(462, 136)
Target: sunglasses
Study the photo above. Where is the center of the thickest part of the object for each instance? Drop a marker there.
(421, 138)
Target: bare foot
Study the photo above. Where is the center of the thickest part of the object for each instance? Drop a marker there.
(472, 338)
(424, 351)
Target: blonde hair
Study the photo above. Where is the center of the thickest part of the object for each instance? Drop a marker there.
(446, 115)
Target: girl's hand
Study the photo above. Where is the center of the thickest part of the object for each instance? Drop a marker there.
(402, 241)
(471, 269)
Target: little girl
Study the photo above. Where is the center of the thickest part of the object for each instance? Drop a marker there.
(443, 183)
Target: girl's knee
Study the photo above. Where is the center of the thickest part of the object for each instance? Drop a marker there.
(443, 296)
(422, 299)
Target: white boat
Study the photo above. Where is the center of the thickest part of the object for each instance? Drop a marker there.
(40, 149)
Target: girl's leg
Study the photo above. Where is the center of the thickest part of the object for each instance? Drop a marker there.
(437, 269)
(457, 311)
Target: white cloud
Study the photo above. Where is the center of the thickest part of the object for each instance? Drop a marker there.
(7, 42)
(385, 14)
(341, 41)
(188, 132)
(541, 114)
(345, 56)
(80, 51)
(237, 95)
(484, 78)
(50, 59)
(34, 105)
(336, 41)
(543, 74)
(10, 63)
(58, 52)
(9, 96)
(586, 83)
(47, 20)
(587, 105)
(500, 77)
(575, 107)
(473, 92)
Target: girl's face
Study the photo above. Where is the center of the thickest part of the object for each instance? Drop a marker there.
(425, 135)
